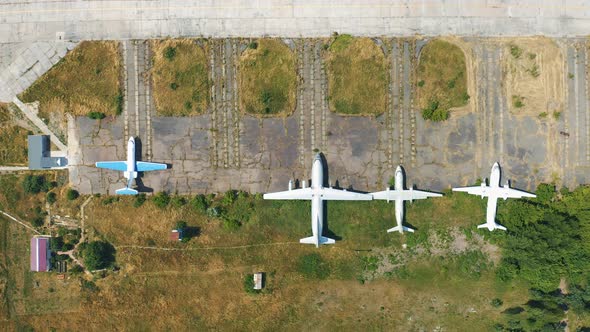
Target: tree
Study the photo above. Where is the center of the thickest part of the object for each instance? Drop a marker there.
(98, 255)
(96, 115)
(37, 221)
(72, 194)
(51, 197)
(180, 225)
(228, 198)
(161, 200)
(56, 243)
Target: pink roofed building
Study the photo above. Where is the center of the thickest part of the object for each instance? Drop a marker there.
(40, 254)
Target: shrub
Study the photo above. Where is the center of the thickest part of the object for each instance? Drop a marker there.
(517, 101)
(139, 200)
(213, 212)
(169, 53)
(199, 202)
(434, 113)
(51, 197)
(56, 243)
(119, 101)
(161, 200)
(110, 200)
(37, 221)
(496, 303)
(313, 266)
(180, 225)
(515, 51)
(96, 115)
(173, 85)
(178, 201)
(231, 224)
(228, 198)
(421, 83)
(253, 45)
(76, 269)
(33, 184)
(72, 194)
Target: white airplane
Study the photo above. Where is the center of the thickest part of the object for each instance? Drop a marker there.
(399, 195)
(317, 194)
(493, 192)
(130, 167)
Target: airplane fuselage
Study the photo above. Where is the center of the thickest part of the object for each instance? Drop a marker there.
(317, 206)
(131, 172)
(493, 198)
(399, 203)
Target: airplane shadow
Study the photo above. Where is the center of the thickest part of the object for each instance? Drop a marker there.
(140, 186)
(326, 229)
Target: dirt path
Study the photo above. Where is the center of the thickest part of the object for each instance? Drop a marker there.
(205, 248)
(20, 222)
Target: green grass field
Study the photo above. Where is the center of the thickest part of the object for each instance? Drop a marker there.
(357, 76)
(441, 277)
(181, 76)
(85, 80)
(441, 79)
(267, 78)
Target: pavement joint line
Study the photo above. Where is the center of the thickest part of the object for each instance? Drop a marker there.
(236, 115)
(412, 112)
(125, 92)
(503, 109)
(490, 92)
(324, 100)
(136, 82)
(224, 105)
(148, 108)
(390, 105)
(301, 89)
(213, 97)
(312, 99)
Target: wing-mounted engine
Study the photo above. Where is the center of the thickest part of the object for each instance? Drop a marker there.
(290, 184)
(506, 189)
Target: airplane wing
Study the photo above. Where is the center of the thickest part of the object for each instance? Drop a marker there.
(343, 195)
(143, 166)
(406, 195)
(514, 193)
(114, 165)
(303, 193)
(482, 191)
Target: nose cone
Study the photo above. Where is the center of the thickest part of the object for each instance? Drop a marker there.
(131, 140)
(317, 157)
(398, 169)
(496, 165)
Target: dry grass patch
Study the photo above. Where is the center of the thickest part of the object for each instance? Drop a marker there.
(534, 76)
(267, 78)
(85, 80)
(180, 77)
(13, 140)
(357, 76)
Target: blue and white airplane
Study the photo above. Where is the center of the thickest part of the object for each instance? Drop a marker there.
(130, 167)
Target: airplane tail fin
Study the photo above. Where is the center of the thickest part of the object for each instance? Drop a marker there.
(126, 191)
(493, 227)
(313, 239)
(401, 230)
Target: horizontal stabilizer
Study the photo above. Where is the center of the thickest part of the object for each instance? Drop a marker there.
(126, 191)
(492, 227)
(312, 240)
(401, 230)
